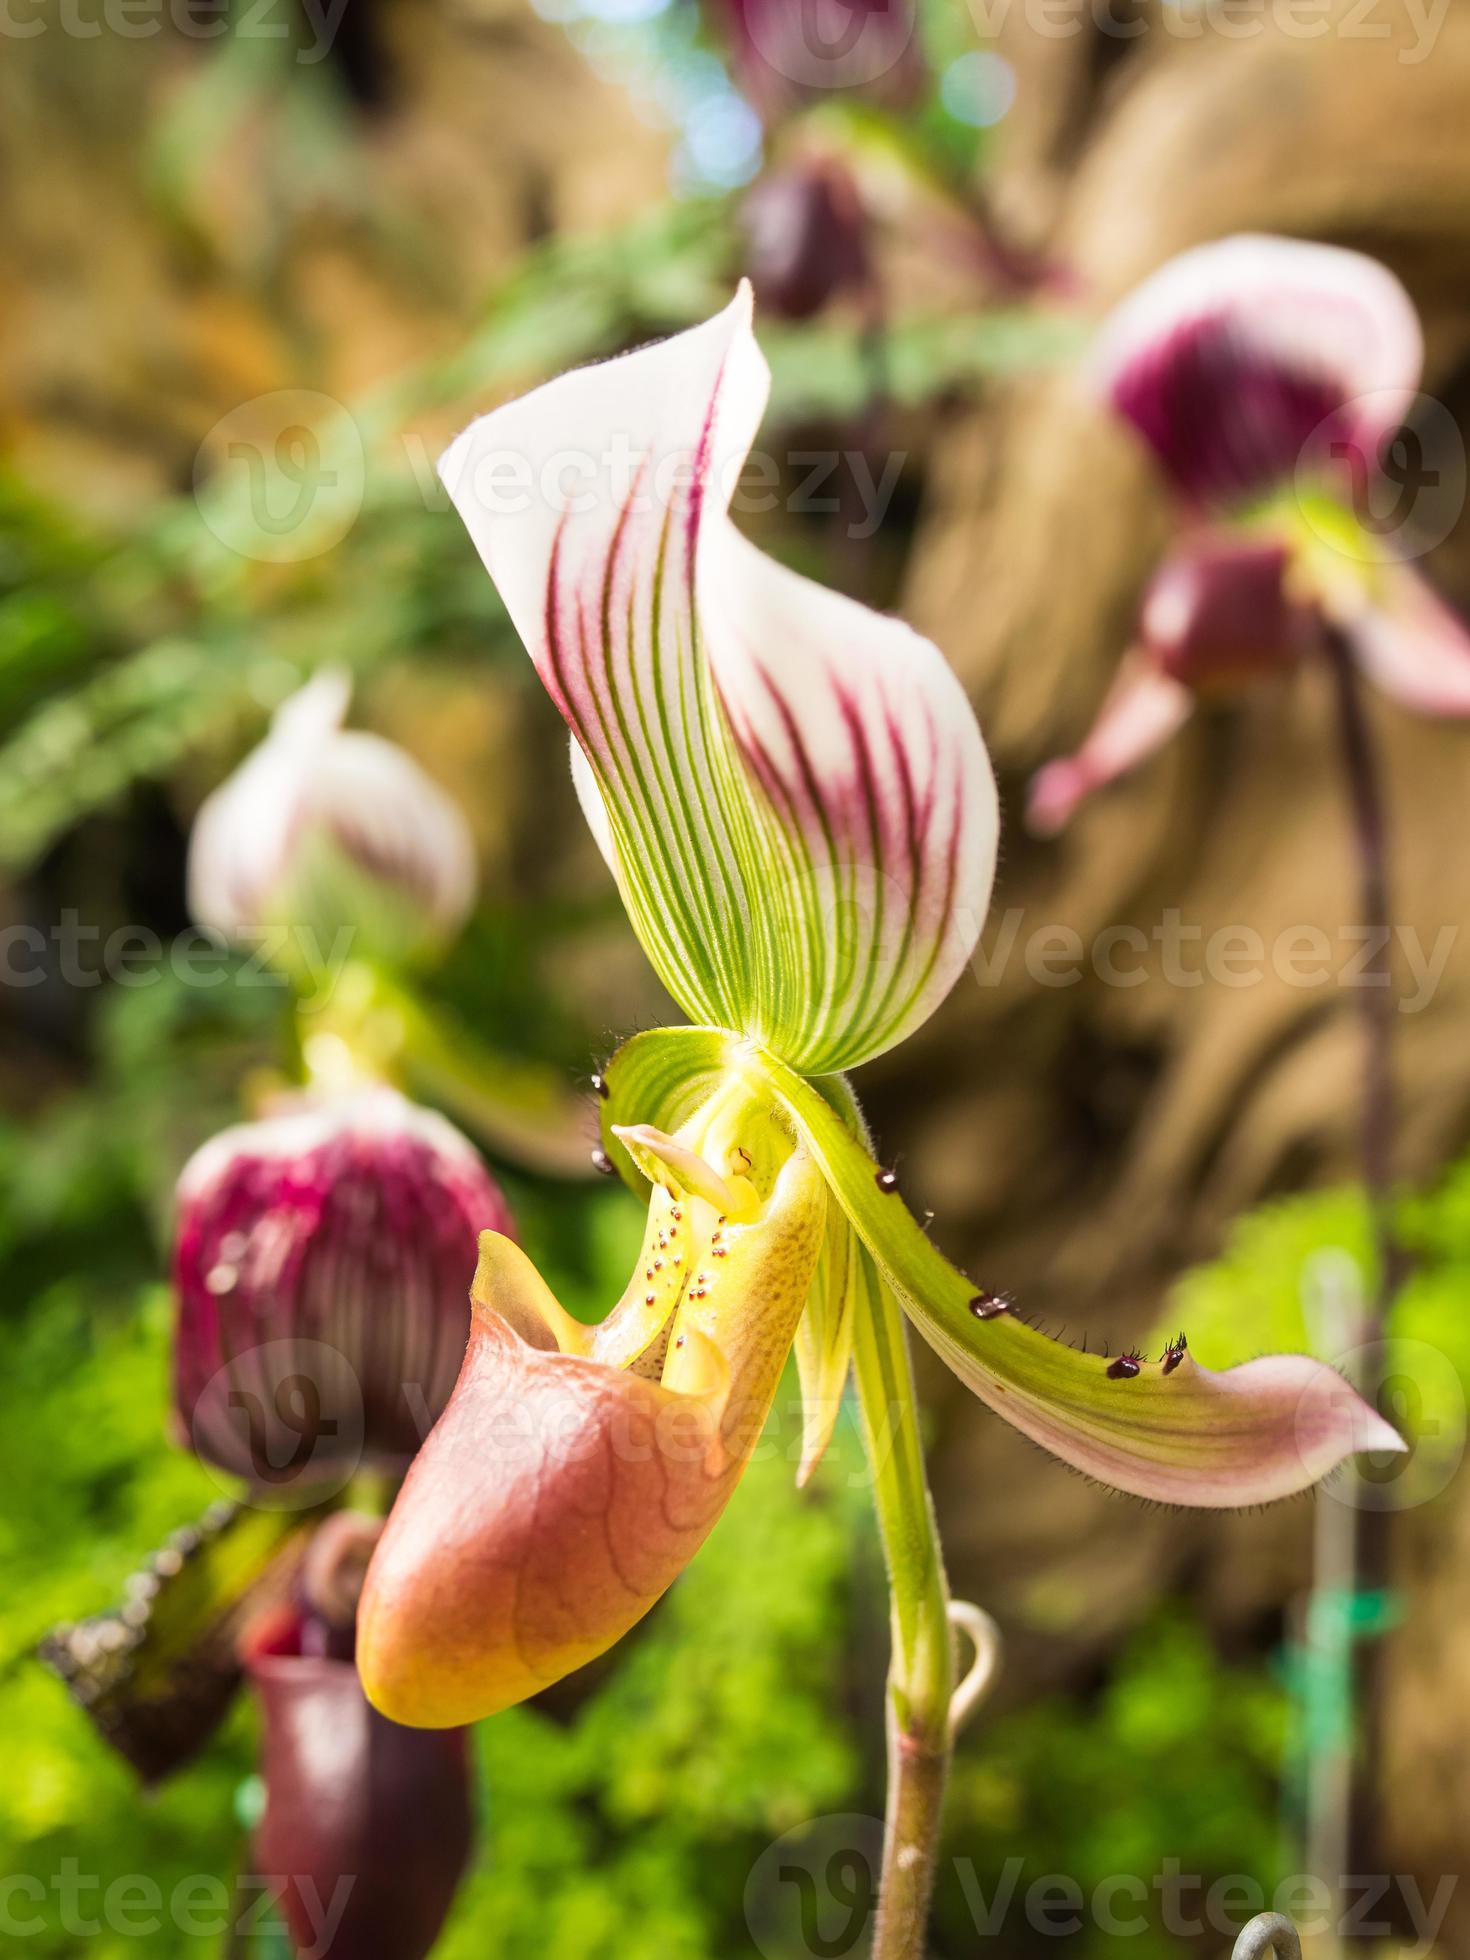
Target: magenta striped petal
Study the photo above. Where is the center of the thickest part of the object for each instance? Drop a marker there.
(1232, 355)
(791, 789)
(322, 1267)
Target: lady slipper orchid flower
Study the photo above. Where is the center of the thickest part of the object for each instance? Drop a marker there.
(332, 830)
(794, 797)
(1270, 379)
(321, 1262)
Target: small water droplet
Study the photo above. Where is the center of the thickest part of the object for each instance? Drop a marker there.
(887, 1181)
(600, 1088)
(989, 1306)
(1174, 1353)
(1124, 1368)
(603, 1164)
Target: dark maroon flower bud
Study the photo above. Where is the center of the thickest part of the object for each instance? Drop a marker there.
(322, 1269)
(367, 1825)
(806, 236)
(787, 52)
(1221, 615)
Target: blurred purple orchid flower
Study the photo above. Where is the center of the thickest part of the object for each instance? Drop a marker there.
(1271, 379)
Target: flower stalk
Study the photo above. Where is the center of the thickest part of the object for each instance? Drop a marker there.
(1351, 1546)
(921, 1668)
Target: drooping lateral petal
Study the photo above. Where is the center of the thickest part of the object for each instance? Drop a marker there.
(792, 789)
(1410, 644)
(1231, 356)
(1142, 709)
(559, 1497)
(824, 1339)
(1167, 1429)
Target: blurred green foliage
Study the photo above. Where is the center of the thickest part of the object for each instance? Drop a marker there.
(1172, 1763)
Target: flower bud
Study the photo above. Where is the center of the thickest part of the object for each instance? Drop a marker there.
(1221, 615)
(367, 1825)
(330, 831)
(322, 1267)
(806, 238)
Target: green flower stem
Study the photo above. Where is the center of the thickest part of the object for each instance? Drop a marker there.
(521, 1110)
(921, 1669)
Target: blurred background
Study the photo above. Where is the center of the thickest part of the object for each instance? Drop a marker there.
(263, 261)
